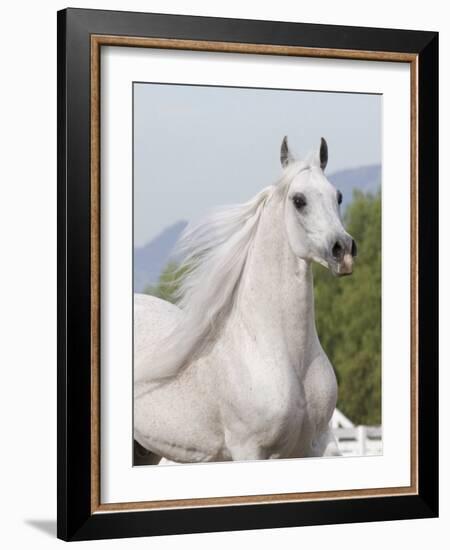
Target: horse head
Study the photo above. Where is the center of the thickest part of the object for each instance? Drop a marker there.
(312, 212)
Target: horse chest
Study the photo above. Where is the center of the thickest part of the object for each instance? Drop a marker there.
(320, 391)
(281, 414)
(264, 414)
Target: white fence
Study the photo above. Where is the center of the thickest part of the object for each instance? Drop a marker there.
(356, 440)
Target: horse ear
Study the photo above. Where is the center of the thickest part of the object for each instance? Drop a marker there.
(323, 154)
(285, 155)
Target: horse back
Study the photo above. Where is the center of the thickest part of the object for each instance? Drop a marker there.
(154, 319)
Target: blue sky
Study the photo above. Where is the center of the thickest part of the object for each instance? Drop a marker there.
(196, 147)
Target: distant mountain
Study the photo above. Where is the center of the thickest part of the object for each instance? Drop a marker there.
(151, 259)
(363, 178)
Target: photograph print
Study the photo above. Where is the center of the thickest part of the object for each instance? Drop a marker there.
(257, 274)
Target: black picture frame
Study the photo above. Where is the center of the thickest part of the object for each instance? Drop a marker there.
(76, 520)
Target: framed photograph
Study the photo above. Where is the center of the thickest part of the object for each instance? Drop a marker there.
(247, 286)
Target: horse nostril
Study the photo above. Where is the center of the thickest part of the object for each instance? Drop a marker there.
(354, 250)
(337, 251)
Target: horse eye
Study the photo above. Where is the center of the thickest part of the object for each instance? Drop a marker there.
(299, 200)
(339, 197)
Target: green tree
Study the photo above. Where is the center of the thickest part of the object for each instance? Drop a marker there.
(348, 315)
(168, 282)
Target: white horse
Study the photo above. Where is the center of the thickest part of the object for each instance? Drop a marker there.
(237, 372)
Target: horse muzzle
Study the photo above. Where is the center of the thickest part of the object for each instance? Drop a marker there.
(343, 254)
(345, 267)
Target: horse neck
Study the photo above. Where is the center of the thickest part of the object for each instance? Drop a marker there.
(276, 299)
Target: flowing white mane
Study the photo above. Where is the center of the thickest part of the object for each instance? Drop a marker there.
(214, 253)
